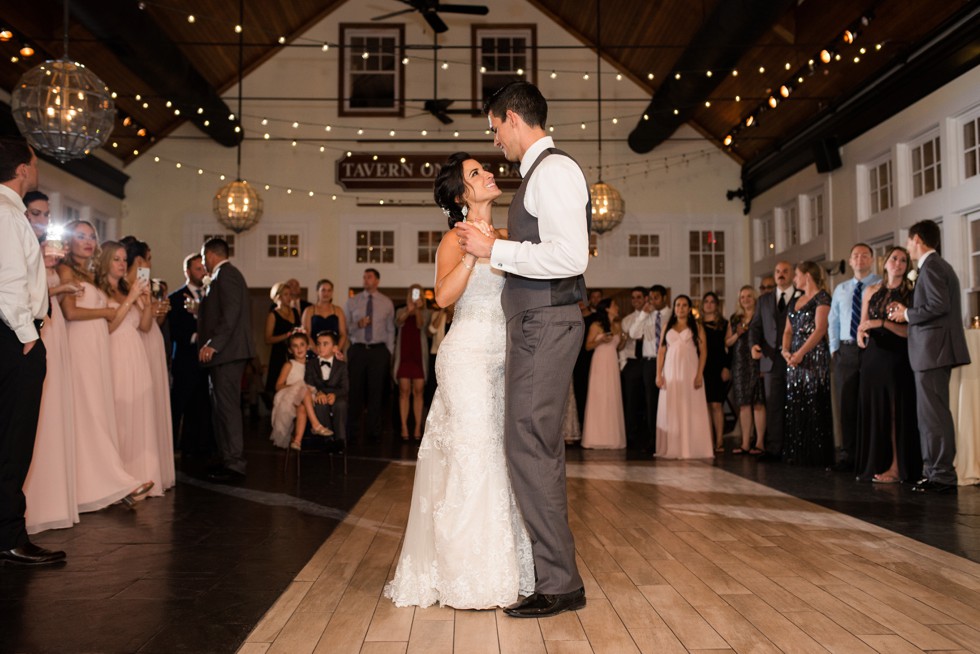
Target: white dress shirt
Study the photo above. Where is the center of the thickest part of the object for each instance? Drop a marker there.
(556, 195)
(324, 372)
(645, 327)
(23, 280)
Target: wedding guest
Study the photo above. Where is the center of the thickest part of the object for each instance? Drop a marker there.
(748, 389)
(631, 374)
(283, 320)
(604, 427)
(809, 426)
(132, 385)
(50, 485)
(371, 320)
(650, 327)
(410, 362)
(766, 337)
(23, 305)
(888, 447)
(292, 407)
(683, 431)
(298, 302)
(138, 255)
(189, 403)
(328, 376)
(583, 363)
(937, 344)
(38, 213)
(845, 316)
(100, 477)
(717, 372)
(325, 316)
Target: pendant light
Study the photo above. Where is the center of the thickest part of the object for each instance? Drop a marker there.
(608, 207)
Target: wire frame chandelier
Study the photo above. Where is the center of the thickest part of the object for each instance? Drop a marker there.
(238, 205)
(608, 207)
(63, 109)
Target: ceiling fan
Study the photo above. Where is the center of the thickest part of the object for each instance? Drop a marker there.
(436, 106)
(430, 8)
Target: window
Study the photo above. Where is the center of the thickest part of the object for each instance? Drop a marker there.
(502, 54)
(765, 232)
(880, 186)
(593, 244)
(707, 258)
(283, 246)
(926, 167)
(971, 148)
(791, 225)
(644, 245)
(973, 290)
(375, 246)
(428, 244)
(372, 80)
(227, 238)
(816, 214)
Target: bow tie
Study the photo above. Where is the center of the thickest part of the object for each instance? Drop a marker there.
(324, 362)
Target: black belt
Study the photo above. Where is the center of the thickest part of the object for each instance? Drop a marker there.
(848, 342)
(368, 346)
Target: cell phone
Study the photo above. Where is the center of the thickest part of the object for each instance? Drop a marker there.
(416, 294)
(143, 275)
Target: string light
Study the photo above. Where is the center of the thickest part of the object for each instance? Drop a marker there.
(191, 19)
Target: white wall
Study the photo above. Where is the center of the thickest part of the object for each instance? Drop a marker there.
(847, 186)
(171, 207)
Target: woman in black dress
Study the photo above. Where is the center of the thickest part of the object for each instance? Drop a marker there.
(888, 448)
(283, 319)
(747, 387)
(808, 423)
(716, 369)
(325, 316)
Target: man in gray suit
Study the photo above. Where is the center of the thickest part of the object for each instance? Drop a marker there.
(937, 344)
(224, 333)
(547, 252)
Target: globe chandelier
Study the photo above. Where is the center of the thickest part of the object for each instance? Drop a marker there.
(608, 207)
(63, 109)
(238, 205)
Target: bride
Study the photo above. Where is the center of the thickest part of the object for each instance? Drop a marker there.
(465, 544)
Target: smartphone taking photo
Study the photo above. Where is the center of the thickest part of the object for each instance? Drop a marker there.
(416, 294)
(143, 275)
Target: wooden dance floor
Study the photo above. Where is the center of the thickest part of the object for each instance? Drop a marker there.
(676, 557)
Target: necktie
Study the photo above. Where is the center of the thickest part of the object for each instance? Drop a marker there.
(856, 309)
(369, 330)
(639, 349)
(656, 331)
(782, 300)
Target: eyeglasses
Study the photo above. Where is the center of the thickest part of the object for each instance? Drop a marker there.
(767, 287)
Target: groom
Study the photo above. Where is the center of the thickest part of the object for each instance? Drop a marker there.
(545, 256)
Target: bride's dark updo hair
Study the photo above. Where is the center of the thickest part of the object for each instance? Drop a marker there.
(449, 186)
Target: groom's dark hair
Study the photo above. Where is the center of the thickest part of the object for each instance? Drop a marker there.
(523, 98)
(928, 232)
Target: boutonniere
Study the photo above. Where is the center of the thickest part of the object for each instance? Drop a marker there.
(205, 282)
(913, 275)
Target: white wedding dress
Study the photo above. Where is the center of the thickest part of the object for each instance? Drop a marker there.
(465, 544)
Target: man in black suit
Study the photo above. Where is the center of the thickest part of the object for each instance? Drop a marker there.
(189, 404)
(328, 375)
(937, 344)
(766, 337)
(224, 334)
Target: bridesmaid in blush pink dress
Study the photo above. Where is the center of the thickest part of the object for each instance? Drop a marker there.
(604, 427)
(50, 484)
(132, 387)
(683, 431)
(100, 479)
(138, 255)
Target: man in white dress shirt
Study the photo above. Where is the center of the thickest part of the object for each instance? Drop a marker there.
(631, 375)
(23, 307)
(545, 257)
(650, 326)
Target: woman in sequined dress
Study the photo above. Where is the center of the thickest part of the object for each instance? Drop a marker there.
(808, 420)
(888, 448)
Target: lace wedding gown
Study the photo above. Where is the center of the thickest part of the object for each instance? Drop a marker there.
(465, 544)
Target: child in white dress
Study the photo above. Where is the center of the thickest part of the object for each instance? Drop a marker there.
(293, 404)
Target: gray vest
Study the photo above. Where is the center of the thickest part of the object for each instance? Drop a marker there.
(522, 293)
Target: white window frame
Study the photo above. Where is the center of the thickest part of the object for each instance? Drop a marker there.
(434, 237)
(816, 215)
(381, 248)
(713, 252)
(790, 224)
(969, 152)
(651, 247)
(921, 145)
(351, 54)
(530, 67)
(287, 251)
(765, 236)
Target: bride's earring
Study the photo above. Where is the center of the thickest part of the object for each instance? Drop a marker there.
(465, 210)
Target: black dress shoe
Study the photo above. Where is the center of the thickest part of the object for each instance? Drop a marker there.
(539, 605)
(934, 488)
(226, 476)
(30, 554)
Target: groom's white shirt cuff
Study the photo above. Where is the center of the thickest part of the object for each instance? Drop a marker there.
(556, 194)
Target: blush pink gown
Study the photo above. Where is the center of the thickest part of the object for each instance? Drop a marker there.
(604, 427)
(683, 431)
(50, 484)
(156, 353)
(100, 479)
(133, 401)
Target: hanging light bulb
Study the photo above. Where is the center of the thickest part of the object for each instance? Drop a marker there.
(728, 140)
(825, 56)
(26, 51)
(784, 91)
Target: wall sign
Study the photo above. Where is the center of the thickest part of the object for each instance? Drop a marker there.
(414, 172)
